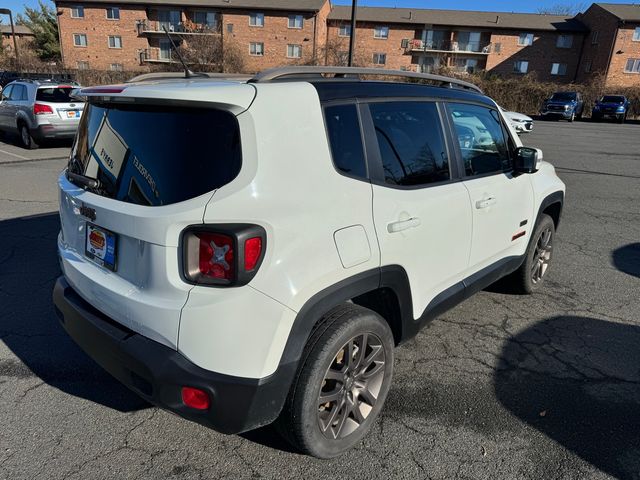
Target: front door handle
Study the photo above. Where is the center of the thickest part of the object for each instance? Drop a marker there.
(400, 225)
(485, 202)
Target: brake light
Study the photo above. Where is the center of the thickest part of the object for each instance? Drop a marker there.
(41, 109)
(252, 252)
(216, 255)
(195, 398)
(222, 255)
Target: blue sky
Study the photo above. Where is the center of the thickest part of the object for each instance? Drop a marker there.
(490, 5)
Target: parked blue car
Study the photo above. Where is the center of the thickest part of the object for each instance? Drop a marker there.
(567, 105)
(611, 106)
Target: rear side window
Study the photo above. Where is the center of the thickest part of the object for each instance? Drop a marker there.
(345, 140)
(481, 138)
(411, 143)
(54, 94)
(155, 156)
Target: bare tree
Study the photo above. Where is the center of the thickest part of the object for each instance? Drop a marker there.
(569, 9)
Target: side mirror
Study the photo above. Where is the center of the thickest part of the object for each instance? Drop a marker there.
(527, 160)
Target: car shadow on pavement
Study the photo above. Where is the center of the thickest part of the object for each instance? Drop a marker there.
(577, 380)
(627, 259)
(29, 326)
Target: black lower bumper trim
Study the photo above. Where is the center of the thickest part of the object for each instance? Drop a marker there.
(158, 373)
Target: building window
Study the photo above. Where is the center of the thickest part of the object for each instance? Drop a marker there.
(344, 31)
(82, 65)
(165, 49)
(521, 66)
(229, 27)
(636, 34)
(294, 51)
(256, 19)
(497, 47)
(594, 37)
(80, 39)
(116, 67)
(632, 66)
(379, 58)
(381, 32)
(564, 41)
(525, 39)
(206, 19)
(115, 41)
(296, 21)
(587, 66)
(256, 48)
(113, 13)
(558, 69)
(77, 12)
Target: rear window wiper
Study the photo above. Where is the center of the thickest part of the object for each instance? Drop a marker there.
(83, 180)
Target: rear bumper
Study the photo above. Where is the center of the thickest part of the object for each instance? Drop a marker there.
(53, 131)
(157, 373)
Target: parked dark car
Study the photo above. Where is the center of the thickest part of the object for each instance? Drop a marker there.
(7, 76)
(566, 105)
(611, 106)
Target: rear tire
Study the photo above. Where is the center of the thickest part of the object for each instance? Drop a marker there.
(26, 140)
(528, 278)
(348, 361)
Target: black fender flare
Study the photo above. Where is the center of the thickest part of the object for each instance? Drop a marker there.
(555, 197)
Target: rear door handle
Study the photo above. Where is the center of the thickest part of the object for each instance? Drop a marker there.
(400, 225)
(485, 202)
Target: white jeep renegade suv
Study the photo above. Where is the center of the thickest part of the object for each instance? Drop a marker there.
(245, 251)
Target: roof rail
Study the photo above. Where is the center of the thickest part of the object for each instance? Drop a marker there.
(281, 73)
(171, 75)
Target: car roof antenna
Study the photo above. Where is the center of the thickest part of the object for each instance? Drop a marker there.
(187, 73)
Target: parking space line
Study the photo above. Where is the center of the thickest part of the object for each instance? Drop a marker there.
(14, 155)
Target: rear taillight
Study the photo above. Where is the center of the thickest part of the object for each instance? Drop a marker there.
(41, 109)
(222, 255)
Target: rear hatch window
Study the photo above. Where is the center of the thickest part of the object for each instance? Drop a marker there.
(156, 155)
(54, 94)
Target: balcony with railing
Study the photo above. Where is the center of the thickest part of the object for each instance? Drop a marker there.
(176, 22)
(416, 45)
(156, 55)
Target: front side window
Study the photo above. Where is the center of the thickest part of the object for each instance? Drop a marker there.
(294, 51)
(381, 32)
(156, 155)
(411, 143)
(80, 39)
(113, 13)
(521, 66)
(564, 41)
(343, 129)
(18, 93)
(632, 66)
(77, 11)
(379, 58)
(558, 69)
(296, 21)
(256, 48)
(115, 41)
(344, 30)
(525, 39)
(256, 19)
(481, 138)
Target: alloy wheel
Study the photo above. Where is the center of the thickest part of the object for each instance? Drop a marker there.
(542, 255)
(351, 386)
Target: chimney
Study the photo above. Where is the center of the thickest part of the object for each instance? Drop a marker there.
(410, 14)
(497, 19)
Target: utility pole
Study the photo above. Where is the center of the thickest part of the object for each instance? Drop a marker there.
(6, 11)
(352, 38)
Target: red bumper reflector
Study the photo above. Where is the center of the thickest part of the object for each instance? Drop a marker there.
(518, 235)
(252, 251)
(195, 398)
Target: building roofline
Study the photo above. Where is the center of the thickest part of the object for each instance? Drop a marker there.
(279, 5)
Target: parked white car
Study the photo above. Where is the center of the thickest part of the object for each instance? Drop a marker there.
(243, 252)
(520, 122)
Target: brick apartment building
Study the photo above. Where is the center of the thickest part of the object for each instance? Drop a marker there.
(128, 35)
(23, 37)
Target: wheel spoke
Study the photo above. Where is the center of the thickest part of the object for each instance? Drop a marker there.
(342, 417)
(379, 366)
(332, 396)
(375, 351)
(334, 375)
(362, 349)
(365, 394)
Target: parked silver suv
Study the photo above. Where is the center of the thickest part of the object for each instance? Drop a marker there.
(39, 110)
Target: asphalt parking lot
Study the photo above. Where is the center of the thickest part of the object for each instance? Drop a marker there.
(501, 387)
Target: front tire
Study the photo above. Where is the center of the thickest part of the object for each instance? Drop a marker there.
(528, 278)
(342, 384)
(572, 117)
(26, 140)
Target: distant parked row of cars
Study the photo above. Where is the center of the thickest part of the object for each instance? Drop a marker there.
(570, 106)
